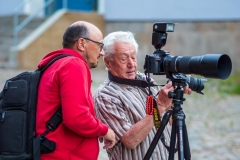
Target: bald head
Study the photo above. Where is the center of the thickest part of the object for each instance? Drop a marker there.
(79, 29)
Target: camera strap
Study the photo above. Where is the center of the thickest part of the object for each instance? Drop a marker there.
(131, 82)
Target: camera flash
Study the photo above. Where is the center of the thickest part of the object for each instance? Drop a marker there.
(170, 27)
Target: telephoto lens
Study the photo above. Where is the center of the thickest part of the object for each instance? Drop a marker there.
(196, 84)
(210, 65)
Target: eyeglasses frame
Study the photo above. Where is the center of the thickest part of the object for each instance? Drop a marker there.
(101, 44)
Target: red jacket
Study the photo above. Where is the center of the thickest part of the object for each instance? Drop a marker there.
(68, 83)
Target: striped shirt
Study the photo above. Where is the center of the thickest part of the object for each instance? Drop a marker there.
(120, 106)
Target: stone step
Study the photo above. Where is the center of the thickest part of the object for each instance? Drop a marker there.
(6, 26)
(6, 33)
(9, 19)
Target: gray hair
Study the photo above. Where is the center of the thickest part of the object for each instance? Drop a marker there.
(114, 37)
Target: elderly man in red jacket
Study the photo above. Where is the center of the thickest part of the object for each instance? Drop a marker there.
(67, 83)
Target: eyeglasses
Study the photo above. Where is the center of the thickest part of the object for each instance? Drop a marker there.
(100, 44)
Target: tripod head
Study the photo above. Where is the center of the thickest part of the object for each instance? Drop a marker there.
(178, 83)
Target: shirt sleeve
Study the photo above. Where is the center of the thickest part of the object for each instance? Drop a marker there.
(112, 113)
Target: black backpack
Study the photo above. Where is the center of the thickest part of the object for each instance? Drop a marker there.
(18, 101)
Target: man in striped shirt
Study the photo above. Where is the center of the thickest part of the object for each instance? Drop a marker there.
(123, 107)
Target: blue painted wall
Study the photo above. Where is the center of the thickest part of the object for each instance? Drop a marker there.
(73, 5)
(83, 5)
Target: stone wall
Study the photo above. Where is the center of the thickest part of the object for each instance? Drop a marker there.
(188, 39)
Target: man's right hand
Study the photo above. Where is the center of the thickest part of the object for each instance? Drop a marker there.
(109, 139)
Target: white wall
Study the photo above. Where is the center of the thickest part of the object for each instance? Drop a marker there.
(9, 7)
(151, 10)
(101, 6)
(34, 5)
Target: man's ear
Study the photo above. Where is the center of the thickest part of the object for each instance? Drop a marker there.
(81, 44)
(107, 62)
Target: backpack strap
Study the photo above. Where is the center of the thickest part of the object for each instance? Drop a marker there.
(48, 146)
(55, 120)
(41, 144)
(53, 123)
(52, 61)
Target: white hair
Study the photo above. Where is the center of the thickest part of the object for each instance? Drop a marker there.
(114, 37)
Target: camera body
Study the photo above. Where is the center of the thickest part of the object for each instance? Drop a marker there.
(154, 62)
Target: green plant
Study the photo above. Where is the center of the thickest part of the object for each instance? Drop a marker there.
(230, 85)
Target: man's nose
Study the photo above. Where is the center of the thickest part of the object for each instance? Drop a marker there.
(101, 53)
(130, 62)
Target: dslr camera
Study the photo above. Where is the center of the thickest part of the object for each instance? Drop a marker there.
(175, 67)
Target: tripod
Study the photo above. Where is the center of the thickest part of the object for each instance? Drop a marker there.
(179, 128)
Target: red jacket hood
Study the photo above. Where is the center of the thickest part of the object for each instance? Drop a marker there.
(56, 53)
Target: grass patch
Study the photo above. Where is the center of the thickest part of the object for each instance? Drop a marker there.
(229, 86)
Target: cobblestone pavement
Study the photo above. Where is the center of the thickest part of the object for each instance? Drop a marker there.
(212, 120)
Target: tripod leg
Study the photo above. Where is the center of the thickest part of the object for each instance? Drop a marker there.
(179, 124)
(187, 153)
(173, 139)
(165, 120)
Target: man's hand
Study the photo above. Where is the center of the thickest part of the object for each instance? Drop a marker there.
(163, 102)
(109, 139)
(187, 90)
